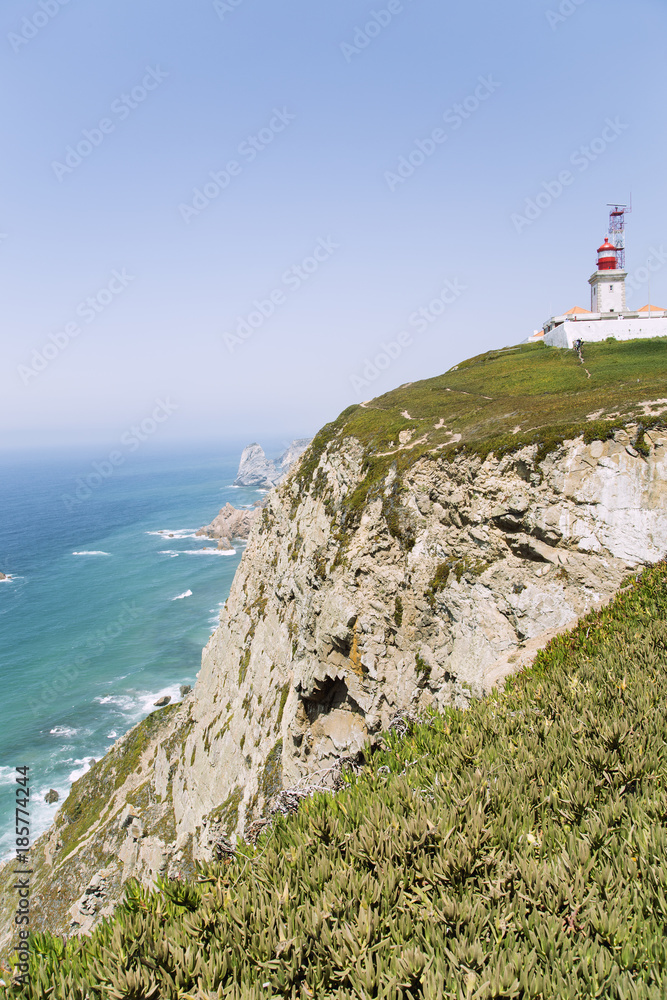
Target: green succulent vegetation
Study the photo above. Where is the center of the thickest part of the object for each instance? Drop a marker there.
(496, 402)
(513, 850)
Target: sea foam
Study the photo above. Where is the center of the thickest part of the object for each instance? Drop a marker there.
(85, 765)
(177, 533)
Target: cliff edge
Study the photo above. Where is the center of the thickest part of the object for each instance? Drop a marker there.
(426, 545)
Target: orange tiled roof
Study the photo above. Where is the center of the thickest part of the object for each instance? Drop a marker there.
(645, 309)
(577, 309)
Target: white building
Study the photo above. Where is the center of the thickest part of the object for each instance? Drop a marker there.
(608, 315)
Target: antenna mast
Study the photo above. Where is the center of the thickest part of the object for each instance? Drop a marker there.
(617, 232)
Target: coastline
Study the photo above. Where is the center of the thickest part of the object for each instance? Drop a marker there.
(111, 638)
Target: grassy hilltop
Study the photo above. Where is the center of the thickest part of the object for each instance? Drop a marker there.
(514, 850)
(515, 394)
(498, 402)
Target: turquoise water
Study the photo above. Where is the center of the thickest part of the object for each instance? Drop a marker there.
(89, 641)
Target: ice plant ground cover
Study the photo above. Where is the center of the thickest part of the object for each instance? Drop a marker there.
(515, 849)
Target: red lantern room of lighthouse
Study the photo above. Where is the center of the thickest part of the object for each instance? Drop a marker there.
(608, 282)
(607, 256)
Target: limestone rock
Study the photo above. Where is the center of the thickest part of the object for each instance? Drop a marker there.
(292, 454)
(327, 636)
(161, 702)
(51, 796)
(230, 523)
(259, 472)
(256, 470)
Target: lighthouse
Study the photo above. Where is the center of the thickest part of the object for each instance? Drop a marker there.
(608, 282)
(608, 317)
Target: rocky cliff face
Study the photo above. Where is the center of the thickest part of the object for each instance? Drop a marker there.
(259, 472)
(231, 523)
(448, 577)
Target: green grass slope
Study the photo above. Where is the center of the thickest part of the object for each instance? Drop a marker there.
(504, 399)
(526, 388)
(497, 402)
(514, 850)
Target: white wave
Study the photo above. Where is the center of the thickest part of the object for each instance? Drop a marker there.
(135, 706)
(209, 552)
(7, 775)
(91, 553)
(8, 578)
(122, 701)
(85, 765)
(63, 731)
(41, 817)
(172, 555)
(147, 701)
(176, 533)
(113, 735)
(187, 593)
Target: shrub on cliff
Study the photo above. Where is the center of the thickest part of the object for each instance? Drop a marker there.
(516, 849)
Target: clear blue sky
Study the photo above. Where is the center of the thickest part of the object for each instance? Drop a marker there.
(303, 110)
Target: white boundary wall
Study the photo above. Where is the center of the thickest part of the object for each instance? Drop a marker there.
(622, 329)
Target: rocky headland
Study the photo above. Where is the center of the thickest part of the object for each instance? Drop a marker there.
(231, 523)
(259, 472)
(424, 547)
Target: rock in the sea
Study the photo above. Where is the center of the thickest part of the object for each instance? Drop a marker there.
(3, 576)
(230, 523)
(161, 702)
(259, 472)
(185, 689)
(51, 796)
(256, 470)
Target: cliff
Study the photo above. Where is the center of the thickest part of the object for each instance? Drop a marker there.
(259, 472)
(427, 544)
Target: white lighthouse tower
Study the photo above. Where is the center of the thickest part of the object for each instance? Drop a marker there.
(608, 282)
(609, 316)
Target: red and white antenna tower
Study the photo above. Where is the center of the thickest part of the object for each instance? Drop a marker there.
(617, 232)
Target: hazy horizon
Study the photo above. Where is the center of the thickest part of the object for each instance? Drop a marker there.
(227, 214)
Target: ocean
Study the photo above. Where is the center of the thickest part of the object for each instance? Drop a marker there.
(110, 603)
